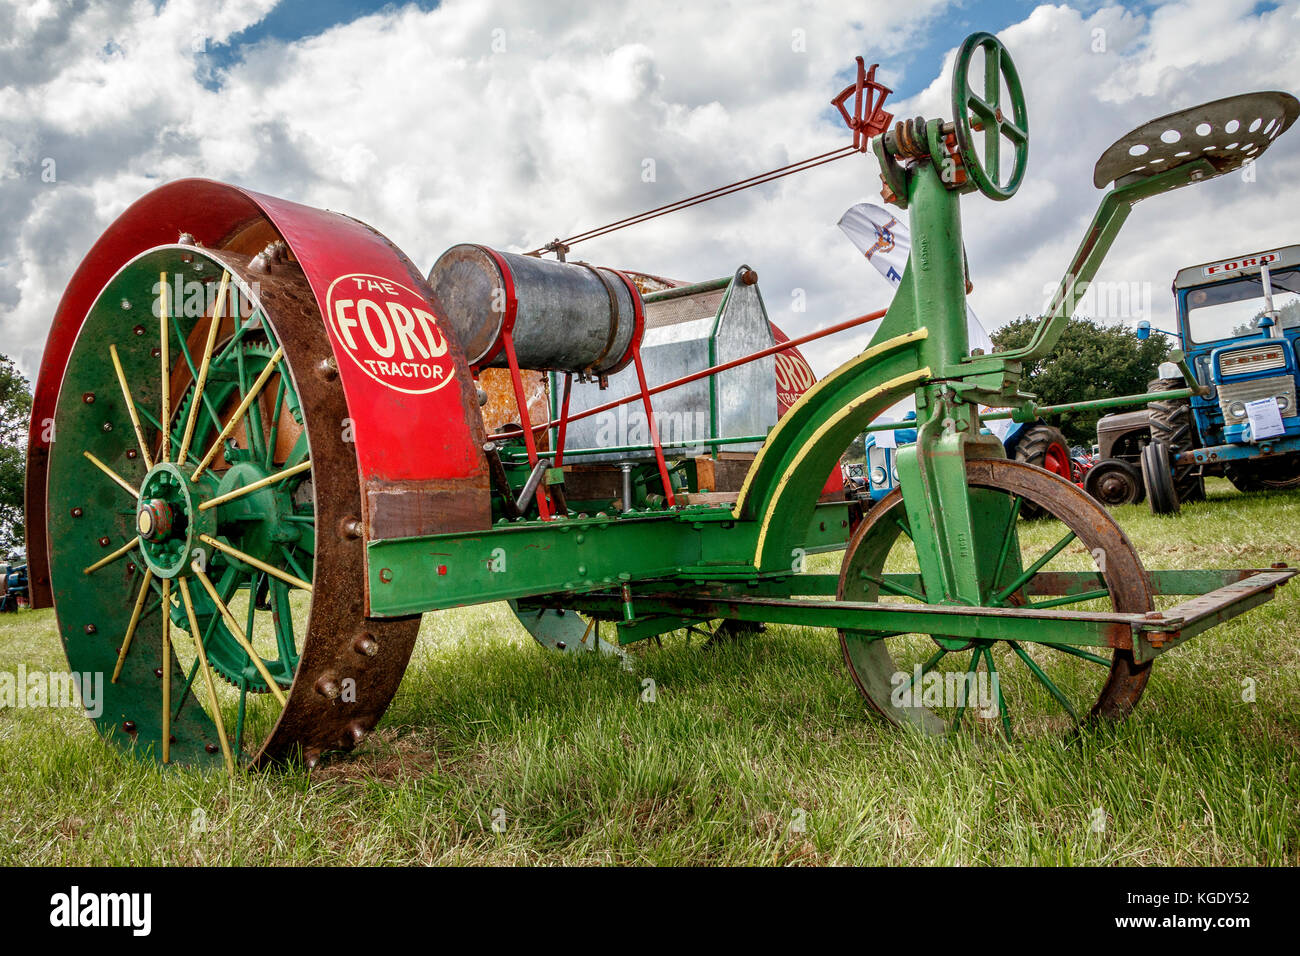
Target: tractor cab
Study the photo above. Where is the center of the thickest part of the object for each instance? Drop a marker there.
(1239, 320)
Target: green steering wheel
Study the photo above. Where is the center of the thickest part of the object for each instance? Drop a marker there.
(987, 111)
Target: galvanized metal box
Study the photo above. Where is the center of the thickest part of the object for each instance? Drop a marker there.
(683, 335)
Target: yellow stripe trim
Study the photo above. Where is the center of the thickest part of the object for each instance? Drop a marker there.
(893, 384)
(875, 351)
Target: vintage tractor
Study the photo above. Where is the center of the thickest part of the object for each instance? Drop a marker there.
(258, 455)
(1116, 478)
(14, 594)
(1238, 325)
(1036, 443)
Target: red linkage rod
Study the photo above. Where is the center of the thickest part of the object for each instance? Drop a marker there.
(695, 376)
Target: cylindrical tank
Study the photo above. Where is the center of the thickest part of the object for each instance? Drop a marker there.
(567, 317)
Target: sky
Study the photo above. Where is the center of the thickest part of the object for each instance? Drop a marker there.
(508, 123)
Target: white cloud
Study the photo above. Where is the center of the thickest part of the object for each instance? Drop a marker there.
(409, 120)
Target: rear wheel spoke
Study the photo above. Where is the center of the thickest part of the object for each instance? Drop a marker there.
(928, 666)
(1026, 575)
(277, 407)
(900, 590)
(1077, 652)
(241, 714)
(1043, 679)
(178, 429)
(293, 563)
(1068, 599)
(971, 677)
(282, 621)
(1008, 537)
(997, 684)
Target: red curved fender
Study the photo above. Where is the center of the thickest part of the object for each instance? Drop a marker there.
(412, 404)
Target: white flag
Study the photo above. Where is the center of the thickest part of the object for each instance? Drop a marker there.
(886, 242)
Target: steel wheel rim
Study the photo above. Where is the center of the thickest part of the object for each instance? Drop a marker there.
(870, 658)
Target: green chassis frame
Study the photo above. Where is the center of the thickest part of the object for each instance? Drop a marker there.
(653, 572)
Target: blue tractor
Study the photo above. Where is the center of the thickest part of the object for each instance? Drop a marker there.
(1238, 323)
(1037, 443)
(14, 594)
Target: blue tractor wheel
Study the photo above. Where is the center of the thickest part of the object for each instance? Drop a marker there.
(1158, 476)
(1172, 424)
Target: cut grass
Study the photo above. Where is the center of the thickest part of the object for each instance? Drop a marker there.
(756, 752)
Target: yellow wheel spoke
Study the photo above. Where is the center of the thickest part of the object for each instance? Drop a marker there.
(167, 671)
(126, 485)
(130, 407)
(251, 397)
(260, 565)
(203, 368)
(109, 559)
(256, 485)
(207, 674)
(135, 620)
(166, 382)
(239, 634)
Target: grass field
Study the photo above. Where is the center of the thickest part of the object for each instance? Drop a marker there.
(759, 752)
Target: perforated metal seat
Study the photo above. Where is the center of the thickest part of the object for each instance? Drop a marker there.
(1229, 133)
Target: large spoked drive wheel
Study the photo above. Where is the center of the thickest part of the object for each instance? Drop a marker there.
(200, 497)
(938, 684)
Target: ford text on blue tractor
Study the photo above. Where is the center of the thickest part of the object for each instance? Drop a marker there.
(1239, 321)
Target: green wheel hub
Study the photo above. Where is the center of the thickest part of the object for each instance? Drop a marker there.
(261, 521)
(169, 522)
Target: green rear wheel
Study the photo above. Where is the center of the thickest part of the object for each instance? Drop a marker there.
(185, 506)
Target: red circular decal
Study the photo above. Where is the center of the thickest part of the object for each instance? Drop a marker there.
(793, 378)
(389, 332)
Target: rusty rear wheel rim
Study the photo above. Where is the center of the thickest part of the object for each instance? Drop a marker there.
(1039, 687)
